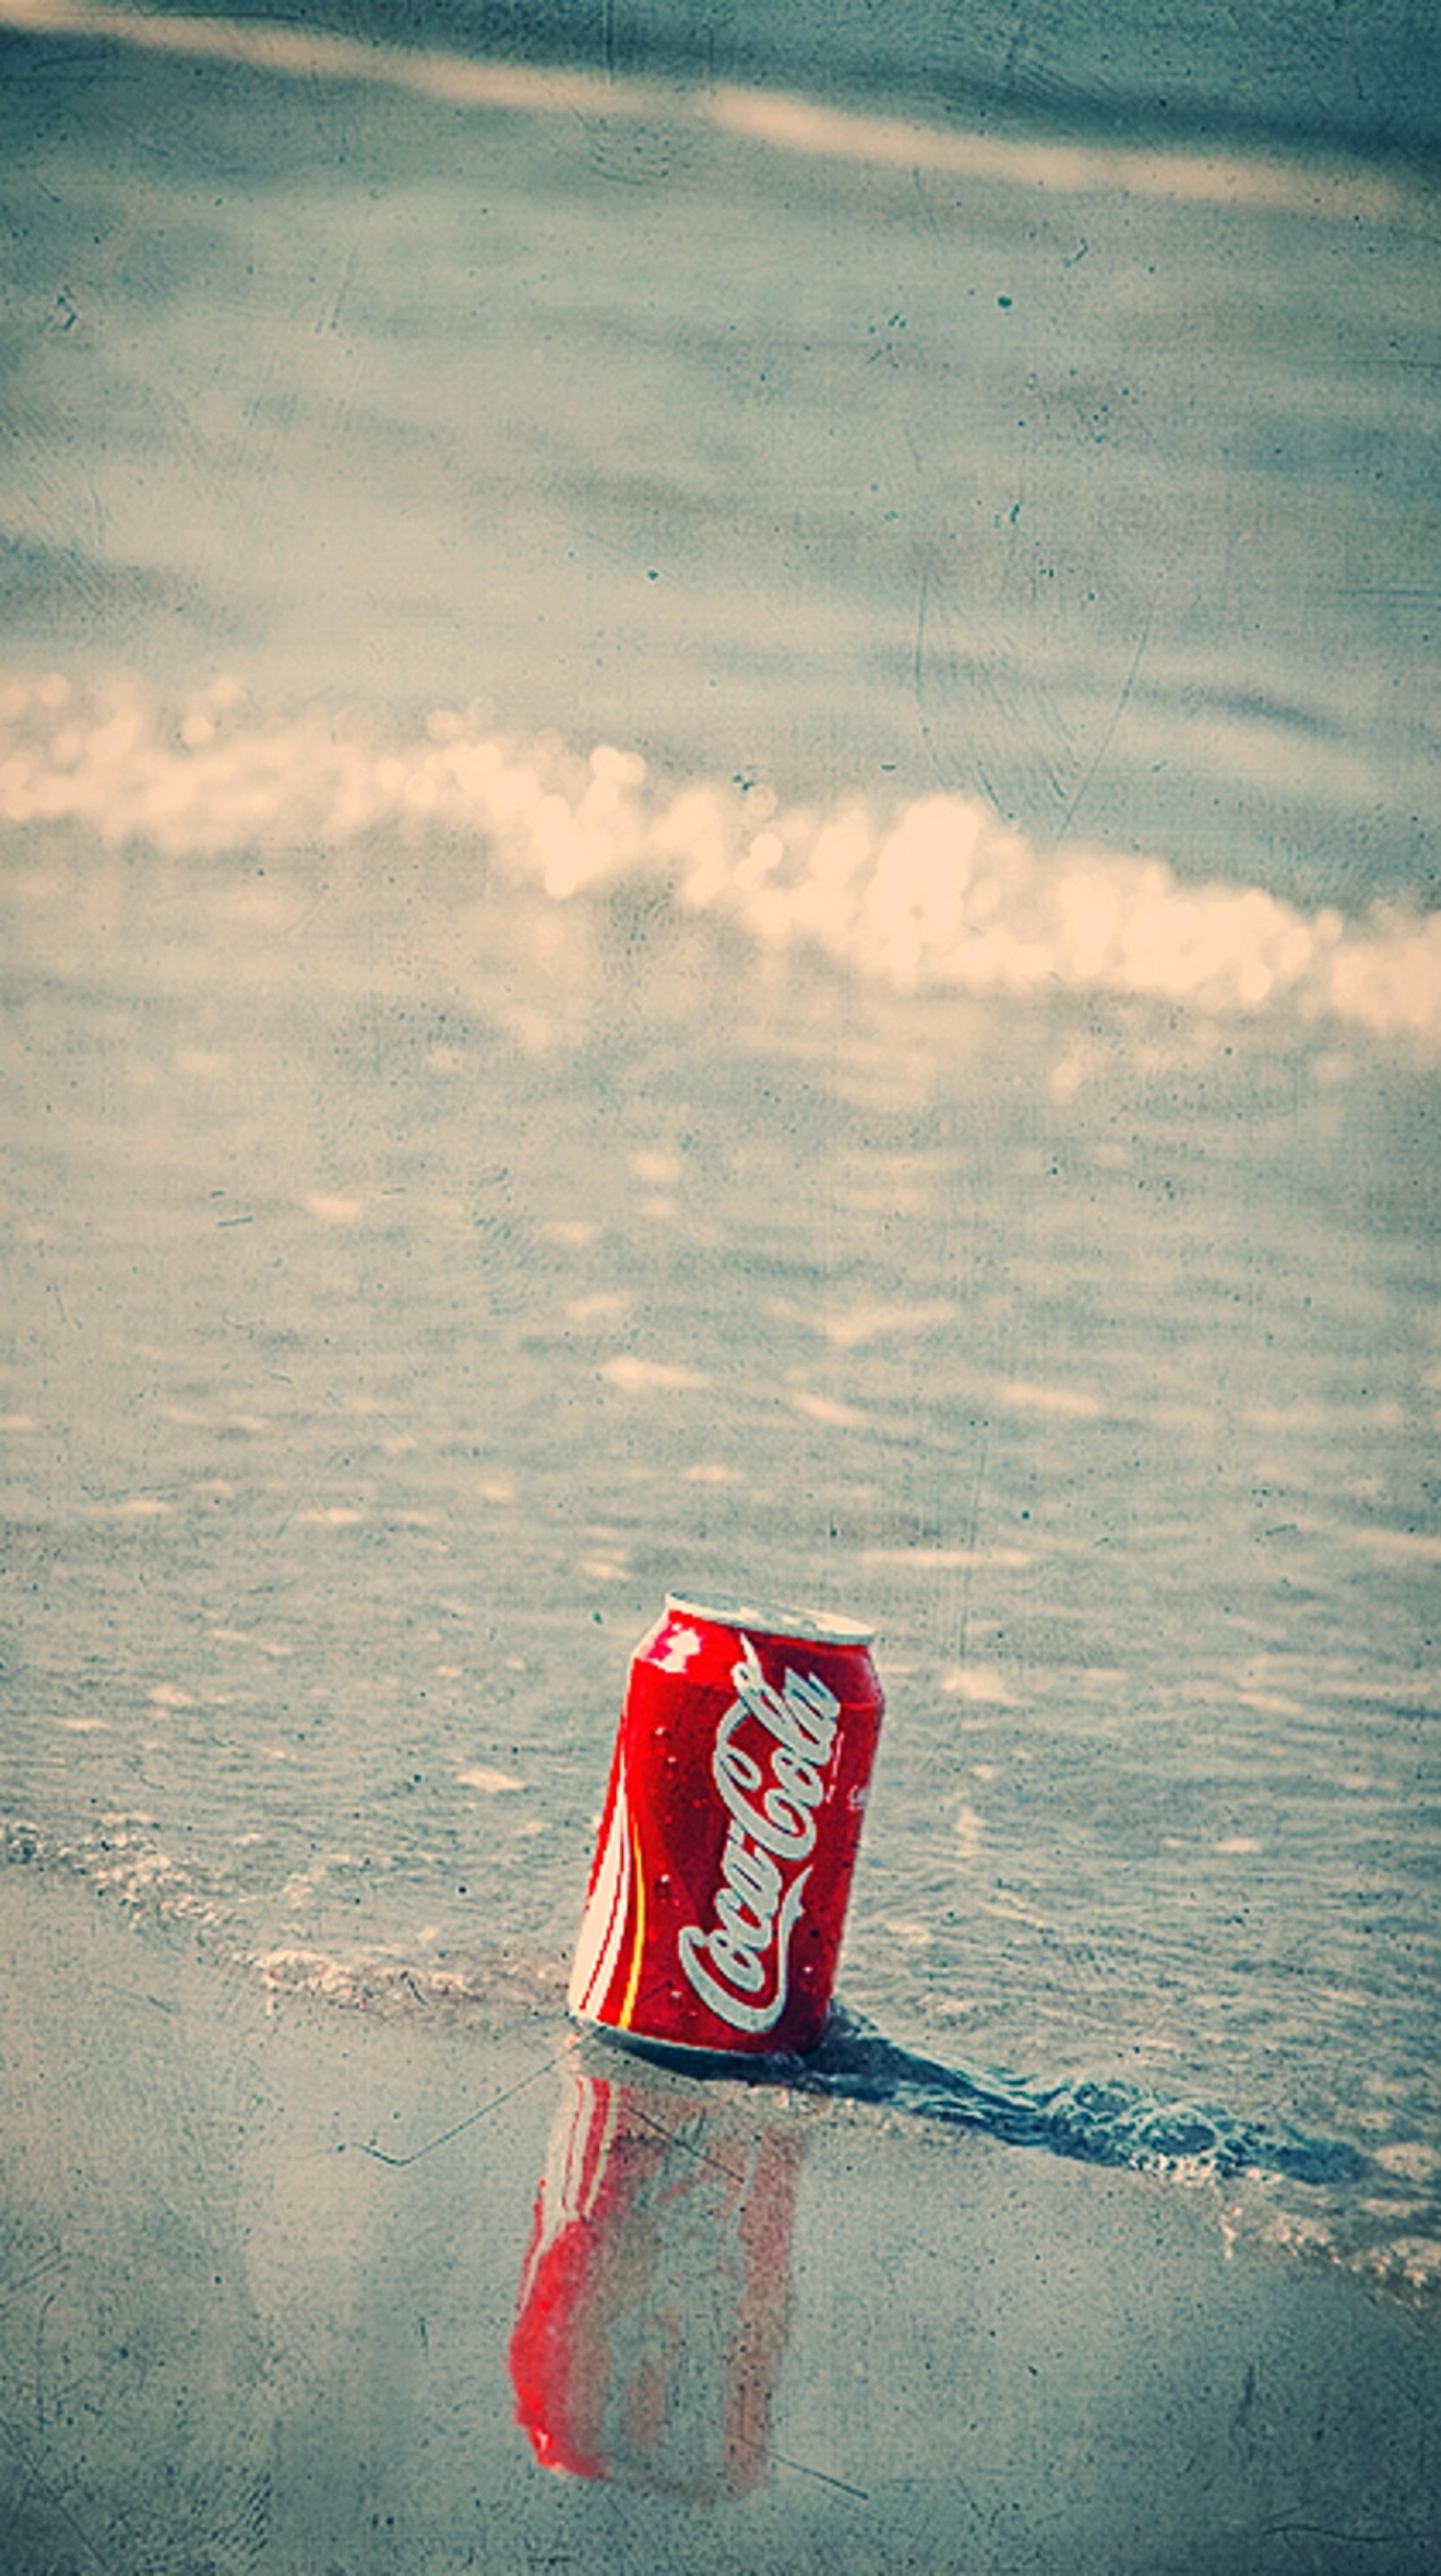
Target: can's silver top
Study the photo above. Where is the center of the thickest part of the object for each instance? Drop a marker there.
(734, 1610)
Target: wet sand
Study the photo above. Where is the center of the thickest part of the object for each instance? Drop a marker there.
(261, 2273)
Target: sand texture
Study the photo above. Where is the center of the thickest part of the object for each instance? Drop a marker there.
(261, 2274)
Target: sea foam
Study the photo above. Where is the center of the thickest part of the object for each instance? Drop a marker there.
(938, 894)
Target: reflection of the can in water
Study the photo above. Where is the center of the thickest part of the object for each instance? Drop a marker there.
(655, 2300)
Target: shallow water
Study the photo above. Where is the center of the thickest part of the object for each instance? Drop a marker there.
(926, 1118)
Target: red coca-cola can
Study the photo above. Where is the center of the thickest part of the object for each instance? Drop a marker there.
(655, 2301)
(729, 1833)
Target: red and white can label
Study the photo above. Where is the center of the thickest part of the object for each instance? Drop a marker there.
(723, 1867)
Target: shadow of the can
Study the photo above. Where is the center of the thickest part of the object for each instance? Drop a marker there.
(1094, 2120)
(656, 2297)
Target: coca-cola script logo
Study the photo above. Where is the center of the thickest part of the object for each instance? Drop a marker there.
(739, 1967)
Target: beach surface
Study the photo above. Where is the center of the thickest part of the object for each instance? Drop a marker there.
(265, 2276)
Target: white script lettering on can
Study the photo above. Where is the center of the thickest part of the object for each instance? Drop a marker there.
(739, 1967)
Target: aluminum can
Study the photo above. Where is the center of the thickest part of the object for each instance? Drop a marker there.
(723, 1866)
(655, 2301)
